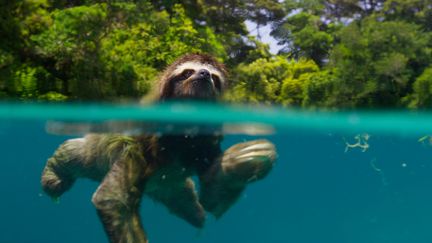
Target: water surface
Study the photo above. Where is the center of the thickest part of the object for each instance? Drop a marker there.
(340, 177)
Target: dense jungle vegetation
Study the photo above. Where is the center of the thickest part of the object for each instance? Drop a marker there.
(333, 53)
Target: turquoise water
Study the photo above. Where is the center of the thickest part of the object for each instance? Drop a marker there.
(340, 177)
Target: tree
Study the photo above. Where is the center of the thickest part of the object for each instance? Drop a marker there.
(99, 50)
(378, 61)
(20, 76)
(413, 11)
(345, 53)
(422, 90)
(259, 81)
(227, 19)
(305, 33)
(278, 80)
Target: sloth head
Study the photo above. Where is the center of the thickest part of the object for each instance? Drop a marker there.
(193, 77)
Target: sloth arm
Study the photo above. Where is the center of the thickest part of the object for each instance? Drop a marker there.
(118, 197)
(222, 184)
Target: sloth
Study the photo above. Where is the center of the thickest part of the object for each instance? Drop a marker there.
(161, 166)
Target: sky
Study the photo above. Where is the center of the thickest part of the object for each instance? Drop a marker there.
(265, 36)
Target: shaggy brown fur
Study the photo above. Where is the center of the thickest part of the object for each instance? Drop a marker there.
(161, 166)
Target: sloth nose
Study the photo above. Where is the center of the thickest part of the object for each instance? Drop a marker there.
(204, 73)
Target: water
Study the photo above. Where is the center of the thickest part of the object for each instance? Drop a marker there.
(320, 190)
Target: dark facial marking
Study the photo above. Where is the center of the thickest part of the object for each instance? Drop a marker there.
(187, 73)
(217, 82)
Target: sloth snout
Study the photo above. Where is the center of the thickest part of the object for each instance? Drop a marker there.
(204, 74)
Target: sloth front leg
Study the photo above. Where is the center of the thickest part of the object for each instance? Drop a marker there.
(239, 165)
(118, 197)
(62, 168)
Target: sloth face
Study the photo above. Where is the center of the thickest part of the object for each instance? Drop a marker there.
(196, 80)
(200, 78)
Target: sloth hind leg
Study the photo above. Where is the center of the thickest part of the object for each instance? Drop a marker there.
(58, 175)
(239, 165)
(118, 197)
(182, 200)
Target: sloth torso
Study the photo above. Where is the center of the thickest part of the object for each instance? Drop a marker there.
(177, 157)
(100, 151)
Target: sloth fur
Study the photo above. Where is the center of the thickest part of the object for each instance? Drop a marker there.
(161, 166)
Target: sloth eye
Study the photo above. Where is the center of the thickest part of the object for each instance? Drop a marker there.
(187, 73)
(217, 82)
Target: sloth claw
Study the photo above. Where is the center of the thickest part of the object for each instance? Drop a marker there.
(250, 161)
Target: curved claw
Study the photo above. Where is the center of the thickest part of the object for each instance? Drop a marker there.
(249, 161)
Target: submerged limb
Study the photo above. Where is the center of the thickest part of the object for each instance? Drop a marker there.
(59, 173)
(241, 164)
(118, 197)
(182, 200)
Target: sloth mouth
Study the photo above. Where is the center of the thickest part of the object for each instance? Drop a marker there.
(196, 89)
(200, 89)
(203, 83)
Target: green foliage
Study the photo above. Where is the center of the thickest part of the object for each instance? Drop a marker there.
(26, 81)
(305, 33)
(259, 81)
(350, 53)
(27, 85)
(414, 11)
(297, 78)
(280, 81)
(319, 89)
(378, 61)
(422, 90)
(227, 18)
(72, 43)
(116, 50)
(52, 96)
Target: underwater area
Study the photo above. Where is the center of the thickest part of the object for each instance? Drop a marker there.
(341, 177)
